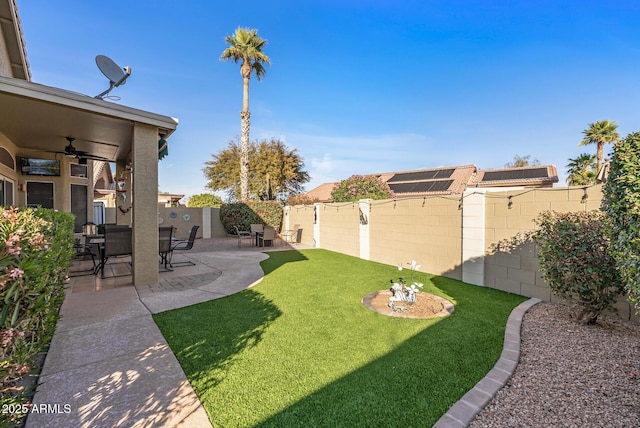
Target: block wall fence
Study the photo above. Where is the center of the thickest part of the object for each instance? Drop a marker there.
(474, 237)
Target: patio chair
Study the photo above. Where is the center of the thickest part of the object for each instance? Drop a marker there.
(117, 242)
(256, 231)
(182, 245)
(269, 234)
(242, 234)
(165, 234)
(83, 251)
(291, 235)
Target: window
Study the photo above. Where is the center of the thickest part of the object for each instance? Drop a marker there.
(6, 192)
(6, 159)
(78, 170)
(79, 205)
(39, 194)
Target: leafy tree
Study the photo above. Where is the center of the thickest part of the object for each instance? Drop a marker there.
(621, 203)
(582, 170)
(204, 200)
(276, 171)
(520, 161)
(600, 133)
(246, 47)
(361, 187)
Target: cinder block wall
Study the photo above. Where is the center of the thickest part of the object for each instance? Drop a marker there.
(425, 230)
(302, 215)
(339, 229)
(511, 264)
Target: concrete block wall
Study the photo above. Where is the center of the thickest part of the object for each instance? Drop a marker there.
(339, 229)
(425, 230)
(302, 215)
(511, 262)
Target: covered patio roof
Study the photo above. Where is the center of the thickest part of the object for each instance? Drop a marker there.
(40, 117)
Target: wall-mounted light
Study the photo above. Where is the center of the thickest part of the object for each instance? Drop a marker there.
(22, 187)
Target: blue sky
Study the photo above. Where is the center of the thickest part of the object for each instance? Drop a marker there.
(357, 86)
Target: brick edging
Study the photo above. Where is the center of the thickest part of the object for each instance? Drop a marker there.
(462, 412)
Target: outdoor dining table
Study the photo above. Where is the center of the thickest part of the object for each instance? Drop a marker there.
(98, 241)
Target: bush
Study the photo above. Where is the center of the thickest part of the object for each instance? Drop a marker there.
(575, 261)
(359, 187)
(244, 215)
(36, 247)
(621, 202)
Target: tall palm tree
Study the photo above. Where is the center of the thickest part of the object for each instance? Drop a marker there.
(600, 133)
(246, 47)
(582, 170)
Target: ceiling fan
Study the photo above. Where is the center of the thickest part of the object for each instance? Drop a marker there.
(71, 151)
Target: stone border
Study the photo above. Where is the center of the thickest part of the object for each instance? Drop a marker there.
(447, 306)
(465, 410)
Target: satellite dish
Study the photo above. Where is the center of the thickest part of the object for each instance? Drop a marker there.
(112, 71)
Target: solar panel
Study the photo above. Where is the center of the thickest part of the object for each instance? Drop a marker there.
(515, 174)
(422, 175)
(422, 186)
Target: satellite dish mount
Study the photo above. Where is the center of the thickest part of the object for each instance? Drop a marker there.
(116, 75)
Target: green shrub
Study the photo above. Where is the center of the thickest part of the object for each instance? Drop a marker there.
(359, 187)
(35, 249)
(621, 202)
(575, 261)
(243, 215)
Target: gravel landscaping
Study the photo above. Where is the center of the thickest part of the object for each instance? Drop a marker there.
(570, 375)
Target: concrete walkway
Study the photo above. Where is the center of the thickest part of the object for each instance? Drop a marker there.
(108, 364)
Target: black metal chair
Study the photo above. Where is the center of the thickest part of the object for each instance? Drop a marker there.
(117, 242)
(165, 235)
(184, 246)
(83, 251)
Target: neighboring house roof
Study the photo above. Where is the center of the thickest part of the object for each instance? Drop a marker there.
(453, 180)
(11, 32)
(323, 192)
(527, 176)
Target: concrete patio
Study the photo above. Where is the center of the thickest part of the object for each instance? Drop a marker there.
(108, 365)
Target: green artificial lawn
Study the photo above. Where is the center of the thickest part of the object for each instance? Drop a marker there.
(300, 349)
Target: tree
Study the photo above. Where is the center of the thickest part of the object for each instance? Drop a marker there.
(600, 133)
(519, 162)
(276, 171)
(359, 187)
(621, 203)
(246, 47)
(582, 170)
(204, 200)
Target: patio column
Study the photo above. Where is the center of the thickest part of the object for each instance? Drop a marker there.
(145, 204)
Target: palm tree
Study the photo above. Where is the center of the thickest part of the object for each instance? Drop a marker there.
(582, 170)
(600, 133)
(246, 47)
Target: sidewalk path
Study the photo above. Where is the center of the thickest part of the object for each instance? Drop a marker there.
(108, 364)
